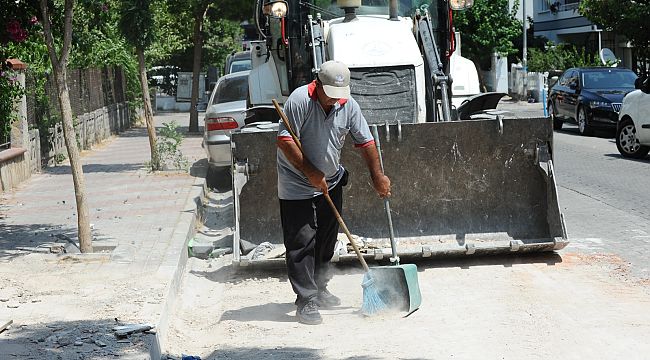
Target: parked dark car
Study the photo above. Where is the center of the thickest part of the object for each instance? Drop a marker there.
(590, 97)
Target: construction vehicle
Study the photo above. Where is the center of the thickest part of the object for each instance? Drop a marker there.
(464, 181)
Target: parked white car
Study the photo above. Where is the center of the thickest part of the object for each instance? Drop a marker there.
(633, 130)
(226, 112)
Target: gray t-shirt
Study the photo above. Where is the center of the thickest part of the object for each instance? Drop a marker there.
(322, 137)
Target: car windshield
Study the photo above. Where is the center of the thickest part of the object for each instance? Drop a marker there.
(371, 7)
(232, 89)
(608, 79)
(240, 65)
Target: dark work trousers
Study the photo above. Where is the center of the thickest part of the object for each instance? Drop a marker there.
(310, 229)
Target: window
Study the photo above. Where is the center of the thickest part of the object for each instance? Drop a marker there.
(564, 80)
(240, 65)
(607, 79)
(232, 89)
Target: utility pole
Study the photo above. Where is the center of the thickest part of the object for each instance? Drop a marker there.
(525, 50)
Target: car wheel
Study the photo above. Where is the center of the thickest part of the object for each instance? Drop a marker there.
(557, 123)
(583, 124)
(627, 142)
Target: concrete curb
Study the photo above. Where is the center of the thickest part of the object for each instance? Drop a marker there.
(173, 265)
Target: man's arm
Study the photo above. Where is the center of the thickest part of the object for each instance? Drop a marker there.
(292, 152)
(380, 181)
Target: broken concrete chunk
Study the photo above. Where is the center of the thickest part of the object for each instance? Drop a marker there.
(201, 251)
(220, 252)
(100, 343)
(124, 330)
(64, 340)
(261, 250)
(246, 246)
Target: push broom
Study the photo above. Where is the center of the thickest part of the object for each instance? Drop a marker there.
(372, 302)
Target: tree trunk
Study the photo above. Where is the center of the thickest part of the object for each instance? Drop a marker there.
(481, 78)
(148, 112)
(83, 217)
(59, 68)
(196, 69)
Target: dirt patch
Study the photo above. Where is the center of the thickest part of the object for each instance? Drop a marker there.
(470, 310)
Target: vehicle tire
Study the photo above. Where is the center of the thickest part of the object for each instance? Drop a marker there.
(583, 123)
(557, 123)
(627, 142)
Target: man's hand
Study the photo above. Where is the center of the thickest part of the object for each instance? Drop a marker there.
(317, 179)
(382, 185)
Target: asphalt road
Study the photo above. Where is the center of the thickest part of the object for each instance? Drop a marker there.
(605, 197)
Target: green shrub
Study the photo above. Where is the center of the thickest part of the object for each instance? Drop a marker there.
(169, 147)
(10, 92)
(559, 57)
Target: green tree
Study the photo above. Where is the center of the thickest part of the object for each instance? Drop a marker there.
(173, 35)
(488, 27)
(223, 38)
(225, 9)
(137, 26)
(626, 17)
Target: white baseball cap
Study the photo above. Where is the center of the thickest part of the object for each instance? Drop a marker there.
(335, 78)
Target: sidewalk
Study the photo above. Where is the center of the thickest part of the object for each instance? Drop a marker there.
(64, 306)
(521, 109)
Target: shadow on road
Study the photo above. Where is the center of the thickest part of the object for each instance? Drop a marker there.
(573, 130)
(266, 312)
(229, 274)
(278, 353)
(96, 168)
(200, 168)
(20, 240)
(645, 160)
(548, 258)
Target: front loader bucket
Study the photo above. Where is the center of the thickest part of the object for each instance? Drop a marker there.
(398, 286)
(458, 188)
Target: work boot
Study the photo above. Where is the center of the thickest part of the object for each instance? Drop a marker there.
(308, 313)
(327, 300)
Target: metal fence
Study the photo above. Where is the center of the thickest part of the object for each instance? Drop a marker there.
(98, 101)
(89, 89)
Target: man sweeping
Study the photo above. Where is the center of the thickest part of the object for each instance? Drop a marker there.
(321, 114)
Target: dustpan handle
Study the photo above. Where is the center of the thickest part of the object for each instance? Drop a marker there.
(394, 259)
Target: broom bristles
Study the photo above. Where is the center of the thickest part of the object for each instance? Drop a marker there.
(372, 302)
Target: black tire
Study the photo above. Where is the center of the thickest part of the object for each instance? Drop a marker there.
(219, 178)
(557, 123)
(627, 142)
(583, 122)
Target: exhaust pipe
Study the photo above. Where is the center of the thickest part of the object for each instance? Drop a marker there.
(392, 10)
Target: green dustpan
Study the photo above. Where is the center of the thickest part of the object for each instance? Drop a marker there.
(397, 284)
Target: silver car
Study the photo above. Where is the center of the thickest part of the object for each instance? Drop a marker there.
(226, 112)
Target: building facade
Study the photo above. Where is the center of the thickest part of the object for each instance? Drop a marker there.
(560, 22)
